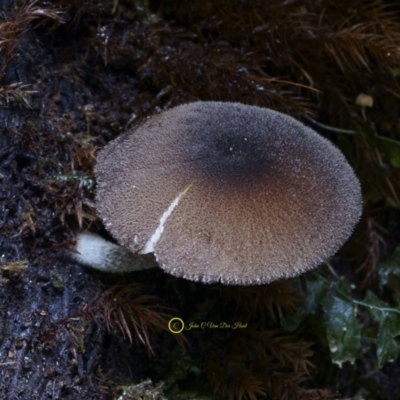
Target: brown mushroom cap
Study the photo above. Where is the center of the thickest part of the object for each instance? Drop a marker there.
(227, 192)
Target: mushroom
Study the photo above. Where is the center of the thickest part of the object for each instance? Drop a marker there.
(226, 192)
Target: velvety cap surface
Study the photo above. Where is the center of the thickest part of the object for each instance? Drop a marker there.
(227, 192)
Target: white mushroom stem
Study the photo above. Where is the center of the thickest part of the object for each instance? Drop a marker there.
(93, 251)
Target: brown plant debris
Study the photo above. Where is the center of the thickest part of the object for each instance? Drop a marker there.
(374, 236)
(279, 298)
(314, 44)
(268, 362)
(122, 308)
(16, 92)
(17, 23)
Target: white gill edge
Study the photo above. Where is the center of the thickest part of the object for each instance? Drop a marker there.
(149, 246)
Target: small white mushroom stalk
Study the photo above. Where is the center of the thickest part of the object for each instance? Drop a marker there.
(94, 251)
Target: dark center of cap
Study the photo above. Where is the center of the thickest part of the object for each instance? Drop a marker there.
(226, 156)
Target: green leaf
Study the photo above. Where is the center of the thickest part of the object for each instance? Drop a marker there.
(389, 327)
(343, 329)
(394, 157)
(315, 290)
(361, 394)
(387, 347)
(393, 153)
(390, 267)
(317, 287)
(181, 365)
